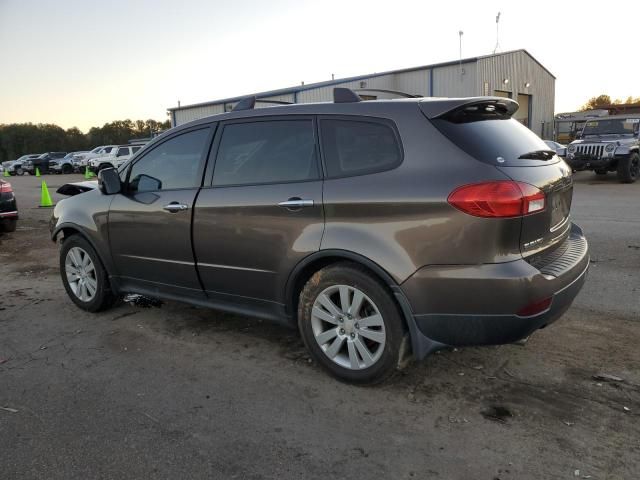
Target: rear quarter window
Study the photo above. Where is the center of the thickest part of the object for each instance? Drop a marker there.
(359, 147)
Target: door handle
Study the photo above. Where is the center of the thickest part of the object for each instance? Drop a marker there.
(174, 207)
(296, 202)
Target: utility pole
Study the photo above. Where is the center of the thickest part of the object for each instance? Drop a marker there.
(497, 33)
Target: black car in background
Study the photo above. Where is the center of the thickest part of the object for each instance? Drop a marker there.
(8, 208)
(42, 162)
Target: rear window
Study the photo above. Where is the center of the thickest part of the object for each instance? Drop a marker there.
(492, 141)
(354, 147)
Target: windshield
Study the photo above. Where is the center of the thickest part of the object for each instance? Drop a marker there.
(96, 150)
(613, 126)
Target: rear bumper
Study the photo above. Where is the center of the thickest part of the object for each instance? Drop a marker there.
(476, 304)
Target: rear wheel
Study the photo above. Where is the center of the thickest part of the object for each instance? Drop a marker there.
(629, 168)
(350, 324)
(83, 276)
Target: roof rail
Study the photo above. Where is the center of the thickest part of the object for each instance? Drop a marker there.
(245, 104)
(275, 102)
(394, 92)
(345, 95)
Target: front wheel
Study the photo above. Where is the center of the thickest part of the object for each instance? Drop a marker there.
(350, 324)
(19, 171)
(629, 168)
(67, 169)
(83, 276)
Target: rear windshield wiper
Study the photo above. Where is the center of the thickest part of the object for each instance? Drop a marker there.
(538, 155)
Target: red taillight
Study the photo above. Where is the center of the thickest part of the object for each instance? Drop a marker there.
(5, 187)
(499, 199)
(535, 308)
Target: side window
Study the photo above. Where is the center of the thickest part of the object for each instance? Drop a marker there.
(276, 151)
(172, 164)
(353, 147)
(135, 149)
(108, 149)
(122, 151)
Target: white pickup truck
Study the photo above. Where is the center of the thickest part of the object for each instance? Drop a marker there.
(116, 157)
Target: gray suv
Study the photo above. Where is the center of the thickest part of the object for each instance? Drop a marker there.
(377, 228)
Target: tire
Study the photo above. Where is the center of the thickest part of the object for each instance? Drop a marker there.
(19, 171)
(67, 169)
(601, 172)
(104, 165)
(629, 168)
(342, 330)
(103, 297)
(9, 225)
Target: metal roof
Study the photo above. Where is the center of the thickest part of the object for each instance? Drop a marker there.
(327, 83)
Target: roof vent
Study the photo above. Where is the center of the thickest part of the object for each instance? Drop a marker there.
(245, 104)
(345, 95)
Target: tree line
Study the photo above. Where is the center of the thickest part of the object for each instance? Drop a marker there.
(600, 101)
(17, 139)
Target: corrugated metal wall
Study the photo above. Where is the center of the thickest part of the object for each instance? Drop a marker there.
(521, 69)
(479, 78)
(451, 82)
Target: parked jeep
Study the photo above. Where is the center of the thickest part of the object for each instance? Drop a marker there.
(376, 228)
(608, 144)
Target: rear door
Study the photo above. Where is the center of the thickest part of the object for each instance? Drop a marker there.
(261, 212)
(150, 222)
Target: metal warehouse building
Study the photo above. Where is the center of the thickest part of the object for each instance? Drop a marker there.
(515, 74)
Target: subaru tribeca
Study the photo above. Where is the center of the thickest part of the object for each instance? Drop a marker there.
(374, 227)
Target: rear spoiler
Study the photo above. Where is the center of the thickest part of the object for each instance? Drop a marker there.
(455, 108)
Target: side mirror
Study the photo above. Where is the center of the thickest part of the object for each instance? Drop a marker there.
(109, 181)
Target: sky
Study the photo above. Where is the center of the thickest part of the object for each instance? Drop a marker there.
(87, 62)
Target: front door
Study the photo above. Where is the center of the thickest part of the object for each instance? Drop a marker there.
(150, 222)
(262, 212)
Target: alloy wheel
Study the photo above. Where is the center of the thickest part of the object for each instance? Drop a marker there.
(81, 274)
(348, 327)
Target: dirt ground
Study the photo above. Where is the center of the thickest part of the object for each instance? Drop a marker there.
(183, 392)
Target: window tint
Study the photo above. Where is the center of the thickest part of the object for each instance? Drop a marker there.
(135, 149)
(487, 140)
(266, 152)
(108, 149)
(122, 152)
(358, 147)
(172, 164)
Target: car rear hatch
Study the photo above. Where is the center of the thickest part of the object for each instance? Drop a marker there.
(484, 129)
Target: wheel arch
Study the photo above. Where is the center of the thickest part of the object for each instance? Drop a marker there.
(70, 229)
(421, 345)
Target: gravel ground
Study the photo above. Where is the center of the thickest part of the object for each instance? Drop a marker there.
(183, 392)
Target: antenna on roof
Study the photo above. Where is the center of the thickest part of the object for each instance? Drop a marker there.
(245, 104)
(345, 95)
(497, 33)
(460, 33)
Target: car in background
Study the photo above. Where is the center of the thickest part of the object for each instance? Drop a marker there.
(117, 157)
(608, 144)
(84, 158)
(561, 150)
(8, 207)
(67, 164)
(42, 162)
(15, 167)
